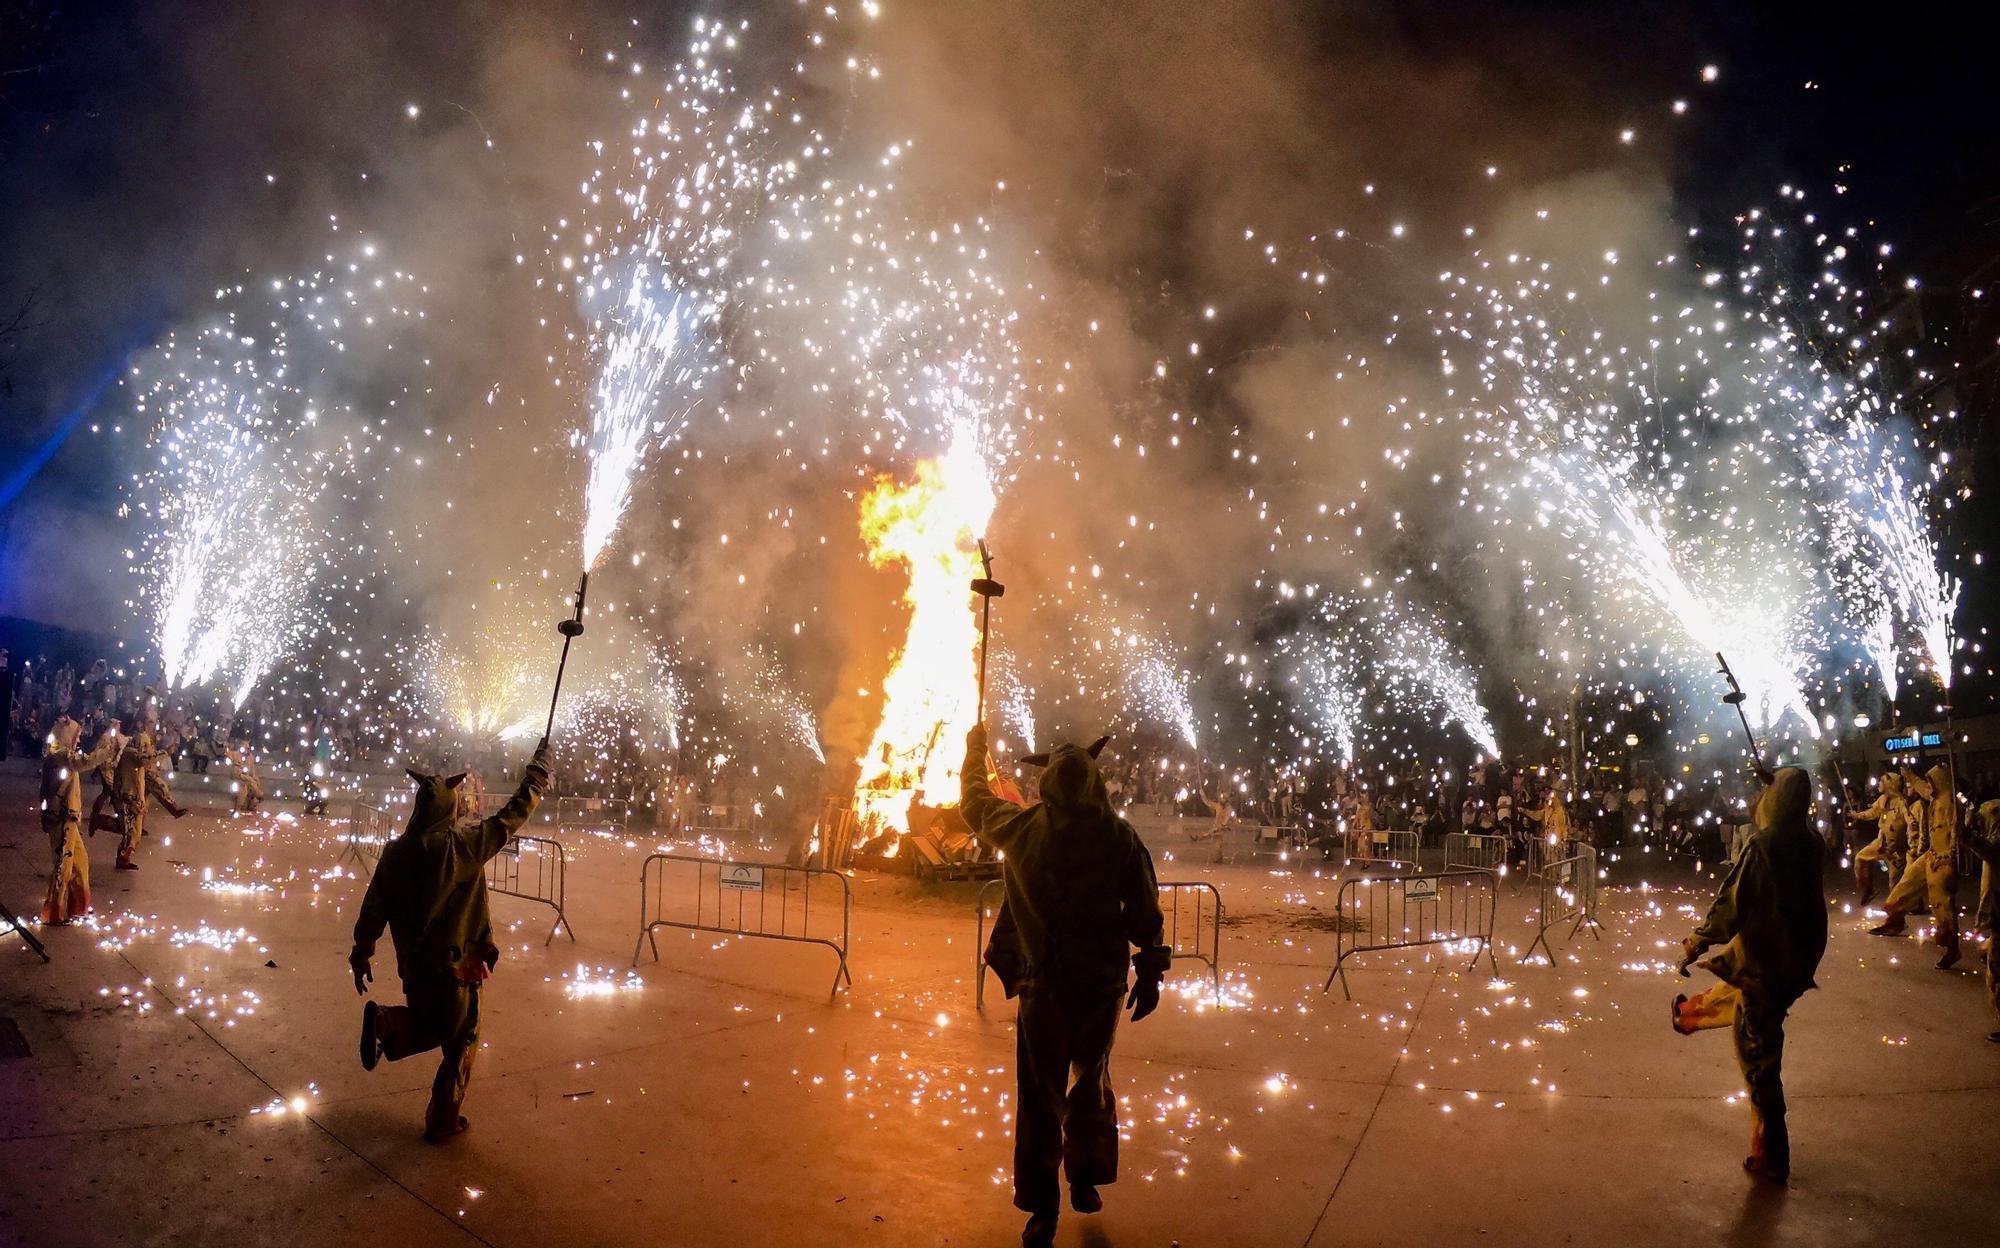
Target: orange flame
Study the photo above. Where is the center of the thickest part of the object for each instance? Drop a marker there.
(930, 697)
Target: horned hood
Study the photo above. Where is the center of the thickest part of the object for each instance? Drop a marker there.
(1071, 781)
(435, 802)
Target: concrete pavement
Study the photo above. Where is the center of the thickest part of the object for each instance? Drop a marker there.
(191, 1077)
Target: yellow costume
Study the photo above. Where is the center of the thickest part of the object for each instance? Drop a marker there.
(1933, 871)
(1890, 813)
(63, 769)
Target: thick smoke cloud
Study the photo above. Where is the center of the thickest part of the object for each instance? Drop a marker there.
(1134, 163)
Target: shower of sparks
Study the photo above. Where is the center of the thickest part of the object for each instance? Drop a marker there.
(1417, 649)
(244, 464)
(1158, 688)
(648, 259)
(1628, 544)
(1654, 458)
(1328, 688)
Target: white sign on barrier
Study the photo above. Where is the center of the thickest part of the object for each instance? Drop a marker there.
(1422, 888)
(744, 879)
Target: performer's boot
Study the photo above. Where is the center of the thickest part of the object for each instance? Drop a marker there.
(371, 1040)
(1040, 1231)
(1770, 1152)
(1864, 883)
(1947, 939)
(1083, 1198)
(1892, 925)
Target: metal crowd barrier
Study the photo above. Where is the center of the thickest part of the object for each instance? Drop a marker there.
(491, 802)
(1475, 849)
(1544, 851)
(543, 882)
(1395, 848)
(367, 832)
(1191, 911)
(734, 899)
(1374, 913)
(1568, 894)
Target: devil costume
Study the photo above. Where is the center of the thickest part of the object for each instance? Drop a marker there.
(429, 890)
(63, 769)
(1080, 895)
(1890, 813)
(137, 783)
(1933, 869)
(1770, 919)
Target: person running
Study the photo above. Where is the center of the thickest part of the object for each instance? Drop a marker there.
(429, 891)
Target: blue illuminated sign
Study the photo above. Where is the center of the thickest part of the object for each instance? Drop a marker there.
(1913, 741)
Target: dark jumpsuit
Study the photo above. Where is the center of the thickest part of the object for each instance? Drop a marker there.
(1081, 894)
(1770, 917)
(429, 890)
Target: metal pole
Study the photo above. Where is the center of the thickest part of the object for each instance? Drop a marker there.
(988, 589)
(985, 628)
(1735, 697)
(570, 629)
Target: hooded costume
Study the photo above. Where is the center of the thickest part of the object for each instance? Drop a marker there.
(1770, 919)
(1933, 869)
(1554, 817)
(135, 785)
(429, 890)
(63, 769)
(243, 769)
(1080, 895)
(1890, 813)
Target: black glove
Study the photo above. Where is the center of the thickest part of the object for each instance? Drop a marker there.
(1144, 998)
(1691, 949)
(541, 767)
(975, 738)
(364, 971)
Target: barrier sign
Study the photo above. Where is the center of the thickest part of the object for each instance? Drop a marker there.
(1421, 888)
(744, 879)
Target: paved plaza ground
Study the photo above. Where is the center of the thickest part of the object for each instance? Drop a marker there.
(190, 1076)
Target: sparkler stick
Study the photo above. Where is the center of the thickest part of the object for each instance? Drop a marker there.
(1735, 697)
(988, 589)
(570, 629)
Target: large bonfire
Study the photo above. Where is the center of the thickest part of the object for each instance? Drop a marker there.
(931, 526)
